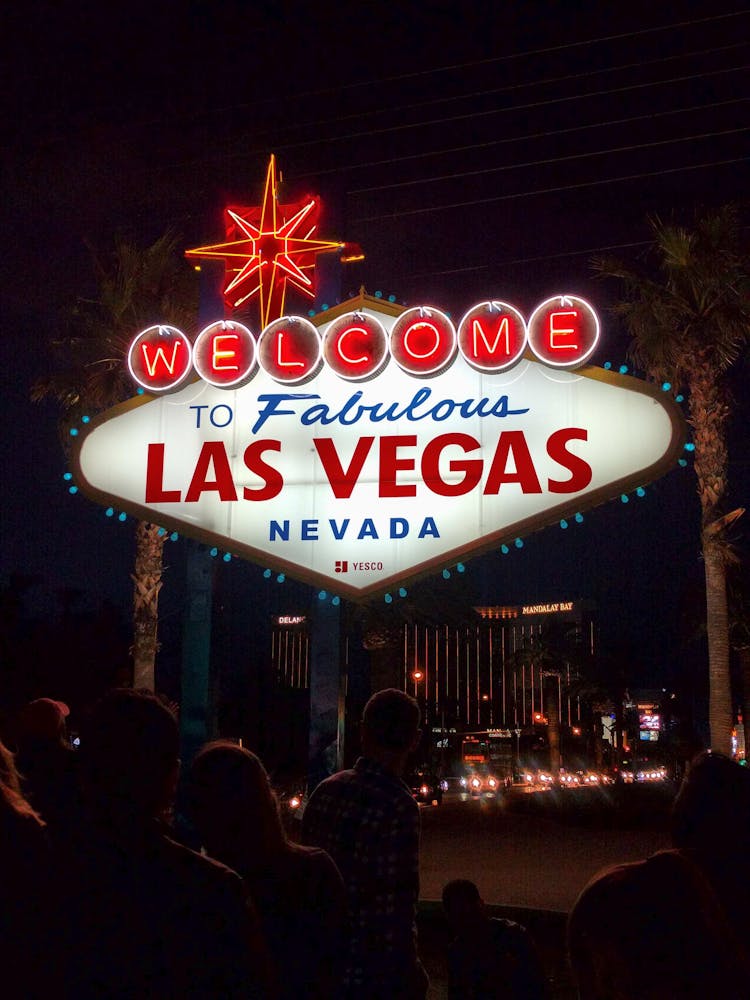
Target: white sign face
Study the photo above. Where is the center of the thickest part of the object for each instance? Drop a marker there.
(359, 487)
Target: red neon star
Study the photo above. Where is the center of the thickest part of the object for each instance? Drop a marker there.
(270, 246)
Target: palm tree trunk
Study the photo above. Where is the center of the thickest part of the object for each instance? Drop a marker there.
(717, 630)
(708, 415)
(744, 652)
(553, 721)
(147, 583)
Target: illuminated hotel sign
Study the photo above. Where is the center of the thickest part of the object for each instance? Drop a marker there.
(374, 444)
(546, 609)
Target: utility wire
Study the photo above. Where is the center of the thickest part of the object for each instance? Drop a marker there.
(526, 260)
(474, 115)
(471, 95)
(553, 159)
(512, 139)
(517, 55)
(551, 190)
(197, 115)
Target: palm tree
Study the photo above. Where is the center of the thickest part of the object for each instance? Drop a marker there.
(689, 324)
(136, 287)
(552, 651)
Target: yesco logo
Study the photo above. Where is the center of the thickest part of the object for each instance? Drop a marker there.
(342, 566)
(492, 337)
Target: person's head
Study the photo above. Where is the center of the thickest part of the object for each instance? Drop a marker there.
(652, 929)
(41, 723)
(390, 727)
(232, 804)
(463, 906)
(712, 804)
(11, 795)
(130, 755)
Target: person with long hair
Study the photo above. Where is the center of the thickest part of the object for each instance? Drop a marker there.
(298, 891)
(25, 890)
(147, 917)
(654, 929)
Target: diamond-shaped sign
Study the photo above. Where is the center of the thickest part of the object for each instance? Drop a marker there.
(359, 486)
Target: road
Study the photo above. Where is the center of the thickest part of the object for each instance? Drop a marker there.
(521, 860)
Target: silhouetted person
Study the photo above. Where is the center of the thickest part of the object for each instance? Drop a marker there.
(654, 930)
(368, 821)
(711, 820)
(297, 890)
(47, 763)
(146, 917)
(26, 930)
(490, 958)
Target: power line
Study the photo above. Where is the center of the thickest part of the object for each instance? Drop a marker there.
(526, 260)
(552, 159)
(551, 190)
(505, 89)
(474, 115)
(514, 55)
(512, 139)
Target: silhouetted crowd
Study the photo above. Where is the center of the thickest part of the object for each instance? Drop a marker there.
(100, 897)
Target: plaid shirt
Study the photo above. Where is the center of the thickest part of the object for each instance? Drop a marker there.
(368, 821)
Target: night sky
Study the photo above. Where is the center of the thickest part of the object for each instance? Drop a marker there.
(473, 152)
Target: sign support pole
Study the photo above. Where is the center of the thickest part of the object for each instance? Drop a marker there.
(196, 724)
(325, 671)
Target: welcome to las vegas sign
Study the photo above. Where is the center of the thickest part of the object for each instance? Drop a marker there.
(372, 444)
